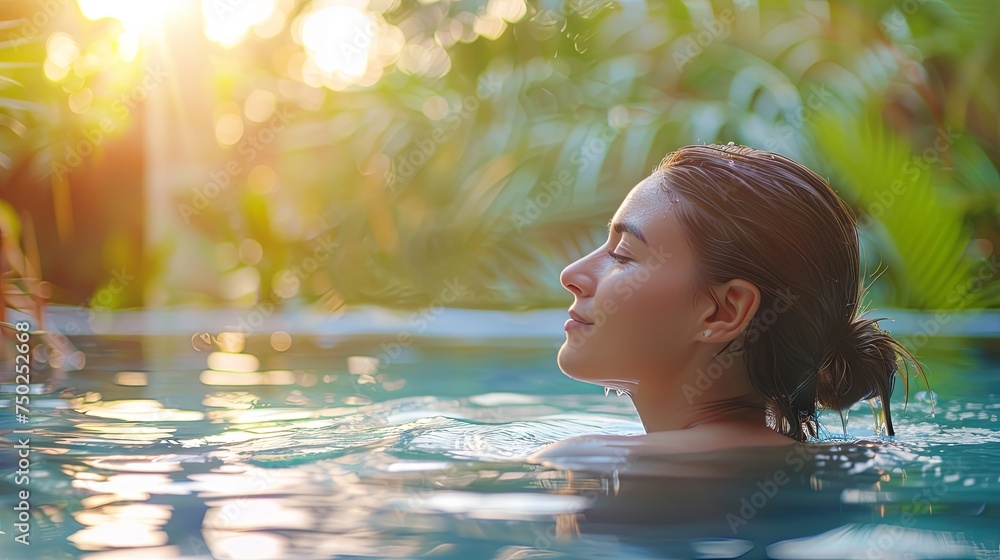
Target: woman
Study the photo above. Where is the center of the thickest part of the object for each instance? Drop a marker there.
(725, 303)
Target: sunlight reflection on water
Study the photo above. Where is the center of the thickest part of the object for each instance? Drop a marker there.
(189, 466)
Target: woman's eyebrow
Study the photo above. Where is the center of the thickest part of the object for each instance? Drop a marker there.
(619, 227)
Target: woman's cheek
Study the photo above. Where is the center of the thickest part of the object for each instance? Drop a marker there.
(654, 307)
(623, 289)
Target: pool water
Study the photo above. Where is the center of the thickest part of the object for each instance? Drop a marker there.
(158, 450)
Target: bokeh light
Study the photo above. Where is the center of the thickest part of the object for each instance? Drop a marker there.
(345, 44)
(281, 341)
(227, 23)
(260, 105)
(229, 129)
(239, 283)
(62, 52)
(251, 252)
(79, 101)
(262, 179)
(338, 38)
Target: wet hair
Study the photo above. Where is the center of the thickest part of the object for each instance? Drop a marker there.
(762, 217)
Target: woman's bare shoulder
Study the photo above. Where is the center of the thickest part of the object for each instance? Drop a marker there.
(712, 437)
(694, 440)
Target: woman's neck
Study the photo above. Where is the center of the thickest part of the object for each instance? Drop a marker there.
(658, 415)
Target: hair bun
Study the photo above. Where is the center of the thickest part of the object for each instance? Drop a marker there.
(861, 365)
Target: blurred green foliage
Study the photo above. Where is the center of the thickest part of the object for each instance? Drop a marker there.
(498, 173)
(17, 112)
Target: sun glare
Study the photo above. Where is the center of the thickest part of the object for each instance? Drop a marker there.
(338, 39)
(135, 17)
(227, 23)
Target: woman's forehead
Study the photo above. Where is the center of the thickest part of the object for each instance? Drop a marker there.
(646, 203)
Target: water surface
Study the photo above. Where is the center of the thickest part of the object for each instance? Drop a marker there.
(155, 450)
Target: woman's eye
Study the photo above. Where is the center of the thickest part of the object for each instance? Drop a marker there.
(619, 258)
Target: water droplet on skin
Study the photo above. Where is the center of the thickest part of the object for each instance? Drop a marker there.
(672, 197)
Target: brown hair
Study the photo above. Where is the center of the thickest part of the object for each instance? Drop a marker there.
(762, 217)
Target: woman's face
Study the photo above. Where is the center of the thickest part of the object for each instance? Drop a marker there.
(639, 305)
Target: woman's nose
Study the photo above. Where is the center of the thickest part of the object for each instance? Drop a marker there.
(577, 279)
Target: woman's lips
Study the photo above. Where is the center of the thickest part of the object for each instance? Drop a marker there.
(575, 321)
(573, 324)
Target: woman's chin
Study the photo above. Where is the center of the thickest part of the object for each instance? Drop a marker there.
(574, 365)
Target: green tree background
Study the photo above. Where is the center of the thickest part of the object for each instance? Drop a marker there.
(494, 149)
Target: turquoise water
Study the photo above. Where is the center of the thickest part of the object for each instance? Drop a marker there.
(155, 450)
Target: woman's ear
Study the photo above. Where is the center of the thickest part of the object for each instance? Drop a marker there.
(738, 301)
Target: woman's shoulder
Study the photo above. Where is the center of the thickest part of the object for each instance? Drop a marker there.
(692, 440)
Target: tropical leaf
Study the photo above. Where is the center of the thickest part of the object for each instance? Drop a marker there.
(925, 241)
